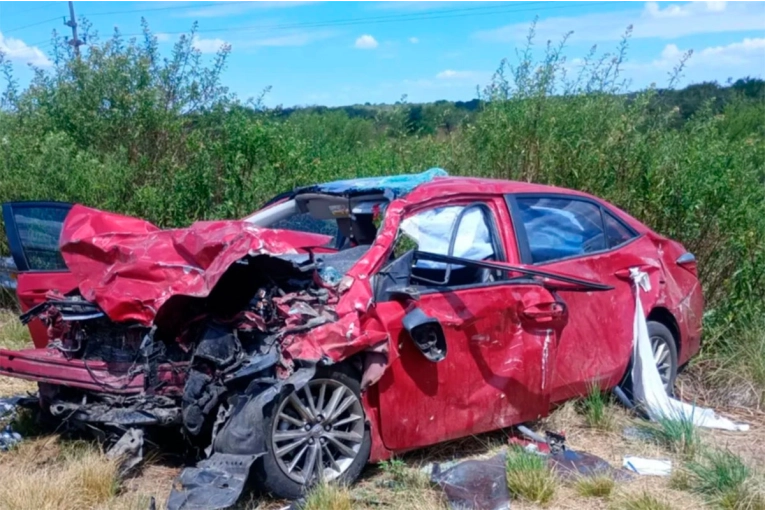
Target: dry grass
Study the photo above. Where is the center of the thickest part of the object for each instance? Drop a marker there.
(644, 501)
(594, 428)
(13, 334)
(595, 487)
(45, 474)
(328, 497)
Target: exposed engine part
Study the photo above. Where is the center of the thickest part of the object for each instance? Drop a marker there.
(133, 411)
(128, 450)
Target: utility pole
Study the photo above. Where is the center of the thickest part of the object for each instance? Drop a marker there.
(74, 41)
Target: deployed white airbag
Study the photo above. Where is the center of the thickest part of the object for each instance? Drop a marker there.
(432, 230)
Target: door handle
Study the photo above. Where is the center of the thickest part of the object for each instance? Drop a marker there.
(542, 311)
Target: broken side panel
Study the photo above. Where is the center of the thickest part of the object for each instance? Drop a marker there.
(501, 346)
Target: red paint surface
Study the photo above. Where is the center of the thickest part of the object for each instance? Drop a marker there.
(50, 366)
(510, 351)
(31, 290)
(131, 268)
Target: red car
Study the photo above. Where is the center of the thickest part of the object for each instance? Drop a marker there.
(341, 323)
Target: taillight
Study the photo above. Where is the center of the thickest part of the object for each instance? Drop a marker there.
(688, 262)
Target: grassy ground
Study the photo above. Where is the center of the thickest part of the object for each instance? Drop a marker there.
(720, 470)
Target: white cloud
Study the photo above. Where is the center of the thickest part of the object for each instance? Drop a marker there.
(414, 40)
(713, 63)
(18, 50)
(162, 37)
(451, 74)
(224, 9)
(366, 42)
(208, 45)
(663, 21)
(747, 53)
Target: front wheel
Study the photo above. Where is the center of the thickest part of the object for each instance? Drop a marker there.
(317, 433)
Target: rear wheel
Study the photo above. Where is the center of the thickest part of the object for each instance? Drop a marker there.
(664, 351)
(317, 433)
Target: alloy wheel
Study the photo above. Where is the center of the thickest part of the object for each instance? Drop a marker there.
(318, 431)
(663, 360)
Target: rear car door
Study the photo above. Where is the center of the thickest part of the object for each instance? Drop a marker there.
(33, 230)
(500, 333)
(579, 236)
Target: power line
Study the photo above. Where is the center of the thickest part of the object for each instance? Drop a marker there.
(38, 8)
(372, 20)
(32, 25)
(380, 19)
(194, 5)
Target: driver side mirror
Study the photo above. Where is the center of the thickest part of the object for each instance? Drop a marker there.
(426, 333)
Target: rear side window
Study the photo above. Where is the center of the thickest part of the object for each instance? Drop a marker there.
(557, 228)
(35, 230)
(617, 233)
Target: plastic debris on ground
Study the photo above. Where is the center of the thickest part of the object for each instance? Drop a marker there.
(8, 437)
(571, 464)
(635, 433)
(649, 467)
(479, 484)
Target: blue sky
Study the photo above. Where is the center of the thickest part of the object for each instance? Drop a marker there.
(338, 53)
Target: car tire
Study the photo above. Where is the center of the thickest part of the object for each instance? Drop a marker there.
(272, 470)
(664, 347)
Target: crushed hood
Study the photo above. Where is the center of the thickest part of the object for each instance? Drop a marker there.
(130, 267)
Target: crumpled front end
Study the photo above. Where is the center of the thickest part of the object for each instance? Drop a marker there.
(199, 328)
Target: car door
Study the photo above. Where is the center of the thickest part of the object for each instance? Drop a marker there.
(500, 333)
(578, 236)
(33, 230)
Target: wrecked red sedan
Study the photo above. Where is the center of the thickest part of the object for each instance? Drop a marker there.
(341, 323)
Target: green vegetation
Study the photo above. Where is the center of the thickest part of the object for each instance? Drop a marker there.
(676, 435)
(723, 477)
(597, 410)
(528, 476)
(160, 137)
(402, 477)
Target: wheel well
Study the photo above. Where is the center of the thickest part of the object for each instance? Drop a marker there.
(664, 316)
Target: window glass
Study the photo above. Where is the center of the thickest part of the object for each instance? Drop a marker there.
(616, 232)
(39, 229)
(557, 228)
(304, 222)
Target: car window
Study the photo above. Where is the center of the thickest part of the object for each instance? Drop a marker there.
(617, 232)
(304, 222)
(432, 230)
(557, 228)
(38, 229)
